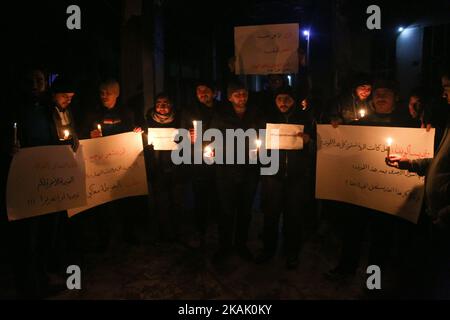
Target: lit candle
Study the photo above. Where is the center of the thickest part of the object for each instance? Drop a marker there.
(389, 143)
(362, 113)
(194, 123)
(99, 128)
(66, 134)
(15, 134)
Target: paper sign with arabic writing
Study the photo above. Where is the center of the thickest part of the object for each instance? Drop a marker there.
(284, 136)
(44, 180)
(115, 169)
(266, 49)
(351, 167)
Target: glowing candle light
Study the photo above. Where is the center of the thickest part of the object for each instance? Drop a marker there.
(362, 113)
(66, 134)
(389, 143)
(194, 123)
(99, 128)
(15, 134)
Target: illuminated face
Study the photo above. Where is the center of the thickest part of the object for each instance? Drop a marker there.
(446, 88)
(64, 99)
(163, 106)
(205, 95)
(364, 91)
(384, 100)
(239, 98)
(38, 82)
(284, 102)
(109, 95)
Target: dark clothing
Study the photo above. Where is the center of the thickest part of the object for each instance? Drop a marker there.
(347, 109)
(393, 119)
(39, 246)
(113, 121)
(437, 184)
(35, 127)
(287, 191)
(202, 176)
(382, 226)
(166, 184)
(236, 183)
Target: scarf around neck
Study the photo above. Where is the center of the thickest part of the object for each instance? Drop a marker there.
(162, 119)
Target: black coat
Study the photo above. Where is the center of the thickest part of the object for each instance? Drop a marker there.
(113, 121)
(226, 118)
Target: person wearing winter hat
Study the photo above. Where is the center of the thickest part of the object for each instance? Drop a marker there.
(356, 105)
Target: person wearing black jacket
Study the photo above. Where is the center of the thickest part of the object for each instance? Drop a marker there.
(38, 242)
(111, 115)
(356, 105)
(355, 219)
(287, 191)
(109, 118)
(437, 203)
(166, 179)
(236, 183)
(202, 175)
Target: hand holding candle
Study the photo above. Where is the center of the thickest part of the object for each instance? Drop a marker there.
(66, 134)
(99, 128)
(362, 113)
(15, 134)
(389, 143)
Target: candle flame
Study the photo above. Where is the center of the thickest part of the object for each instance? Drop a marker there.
(389, 141)
(66, 133)
(362, 113)
(99, 127)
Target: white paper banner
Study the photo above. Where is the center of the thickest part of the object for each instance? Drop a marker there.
(44, 180)
(266, 49)
(162, 138)
(351, 167)
(115, 169)
(284, 136)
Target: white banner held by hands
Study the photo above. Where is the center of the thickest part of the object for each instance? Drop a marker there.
(115, 169)
(351, 167)
(284, 136)
(162, 138)
(44, 180)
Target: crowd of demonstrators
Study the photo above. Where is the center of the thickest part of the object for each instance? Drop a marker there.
(223, 194)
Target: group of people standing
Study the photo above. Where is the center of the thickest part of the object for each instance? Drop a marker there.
(224, 194)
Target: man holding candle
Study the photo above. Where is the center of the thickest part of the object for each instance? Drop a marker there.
(63, 91)
(437, 202)
(110, 116)
(356, 219)
(202, 176)
(288, 192)
(236, 183)
(356, 105)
